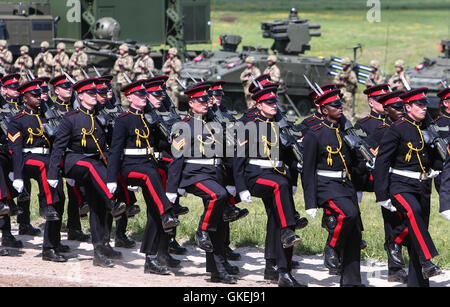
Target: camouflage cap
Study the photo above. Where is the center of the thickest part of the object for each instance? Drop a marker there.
(374, 63)
(399, 63)
(79, 44)
(272, 58)
(3, 43)
(250, 60)
(25, 49)
(61, 46)
(143, 49)
(124, 47)
(346, 61)
(45, 44)
(173, 51)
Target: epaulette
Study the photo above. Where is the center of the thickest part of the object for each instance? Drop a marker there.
(437, 119)
(249, 110)
(187, 118)
(73, 113)
(310, 118)
(362, 121)
(382, 126)
(317, 127)
(124, 114)
(19, 115)
(400, 121)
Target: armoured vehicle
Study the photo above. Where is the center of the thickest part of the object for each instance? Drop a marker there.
(291, 37)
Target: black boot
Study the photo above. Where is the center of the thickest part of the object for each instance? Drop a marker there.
(14, 209)
(168, 261)
(331, 260)
(117, 209)
(8, 240)
(179, 210)
(62, 248)
(4, 208)
(301, 223)
(286, 279)
(289, 238)
(110, 252)
(100, 259)
(169, 222)
(132, 211)
(231, 269)
(231, 254)
(49, 213)
(52, 255)
(28, 230)
(242, 213)
(122, 240)
(78, 235)
(203, 241)
(230, 213)
(394, 252)
(429, 269)
(83, 210)
(4, 252)
(175, 248)
(271, 270)
(398, 275)
(223, 277)
(152, 267)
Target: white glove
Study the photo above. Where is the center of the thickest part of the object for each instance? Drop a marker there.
(133, 188)
(388, 205)
(446, 214)
(294, 190)
(245, 196)
(312, 212)
(433, 174)
(182, 192)
(172, 197)
(11, 176)
(70, 182)
(231, 189)
(112, 187)
(371, 167)
(52, 183)
(360, 196)
(18, 185)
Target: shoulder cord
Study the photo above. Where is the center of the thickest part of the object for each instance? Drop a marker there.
(144, 136)
(40, 131)
(417, 150)
(337, 151)
(63, 105)
(268, 145)
(91, 134)
(382, 119)
(200, 137)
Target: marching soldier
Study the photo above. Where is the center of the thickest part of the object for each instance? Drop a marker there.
(317, 117)
(172, 68)
(272, 69)
(396, 82)
(81, 146)
(61, 60)
(123, 65)
(328, 162)
(23, 63)
(30, 146)
(376, 77)
(11, 83)
(347, 82)
(269, 175)
(78, 61)
(134, 139)
(44, 61)
(402, 174)
(198, 170)
(246, 79)
(6, 57)
(144, 64)
(443, 122)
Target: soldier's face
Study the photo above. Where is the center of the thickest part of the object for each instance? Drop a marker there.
(394, 113)
(63, 93)
(398, 69)
(198, 107)
(446, 104)
(101, 98)
(137, 101)
(44, 96)
(12, 92)
(416, 111)
(376, 106)
(267, 109)
(88, 100)
(332, 113)
(216, 99)
(156, 101)
(33, 101)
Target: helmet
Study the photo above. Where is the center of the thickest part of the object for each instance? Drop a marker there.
(61, 46)
(45, 44)
(3, 43)
(143, 49)
(79, 44)
(399, 63)
(25, 49)
(272, 58)
(124, 48)
(173, 51)
(107, 28)
(250, 60)
(346, 61)
(374, 63)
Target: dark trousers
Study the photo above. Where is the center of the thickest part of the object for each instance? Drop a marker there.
(392, 221)
(75, 197)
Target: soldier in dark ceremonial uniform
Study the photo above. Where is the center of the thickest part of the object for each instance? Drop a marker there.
(317, 117)
(198, 169)
(444, 196)
(81, 146)
(403, 173)
(30, 146)
(328, 163)
(269, 174)
(134, 139)
(76, 199)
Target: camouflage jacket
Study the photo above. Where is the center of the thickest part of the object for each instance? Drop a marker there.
(124, 64)
(61, 60)
(143, 66)
(349, 79)
(44, 64)
(274, 73)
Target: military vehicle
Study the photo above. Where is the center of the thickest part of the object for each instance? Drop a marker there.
(432, 73)
(291, 37)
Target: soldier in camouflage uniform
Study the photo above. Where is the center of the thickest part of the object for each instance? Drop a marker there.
(61, 59)
(347, 82)
(144, 65)
(78, 61)
(247, 80)
(6, 57)
(23, 64)
(44, 61)
(376, 77)
(395, 82)
(272, 69)
(172, 68)
(124, 64)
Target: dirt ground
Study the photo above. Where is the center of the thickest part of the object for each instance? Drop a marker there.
(25, 268)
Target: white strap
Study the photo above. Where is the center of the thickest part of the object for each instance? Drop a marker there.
(265, 163)
(332, 174)
(408, 174)
(213, 161)
(37, 150)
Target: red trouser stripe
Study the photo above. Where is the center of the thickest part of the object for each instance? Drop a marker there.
(163, 175)
(276, 187)
(210, 205)
(41, 166)
(8, 193)
(96, 177)
(402, 236)
(338, 228)
(415, 227)
(77, 195)
(149, 185)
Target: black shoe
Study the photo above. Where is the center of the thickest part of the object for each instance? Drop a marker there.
(287, 280)
(429, 269)
(242, 213)
(23, 197)
(28, 230)
(179, 210)
(301, 223)
(100, 259)
(151, 266)
(49, 213)
(169, 222)
(132, 211)
(230, 213)
(78, 235)
(110, 252)
(175, 248)
(289, 238)
(83, 210)
(223, 277)
(362, 245)
(62, 248)
(52, 255)
(398, 276)
(14, 209)
(331, 260)
(231, 269)
(117, 209)
(271, 273)
(394, 252)
(295, 264)
(231, 254)
(203, 241)
(8, 240)
(168, 261)
(4, 209)
(122, 240)
(4, 252)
